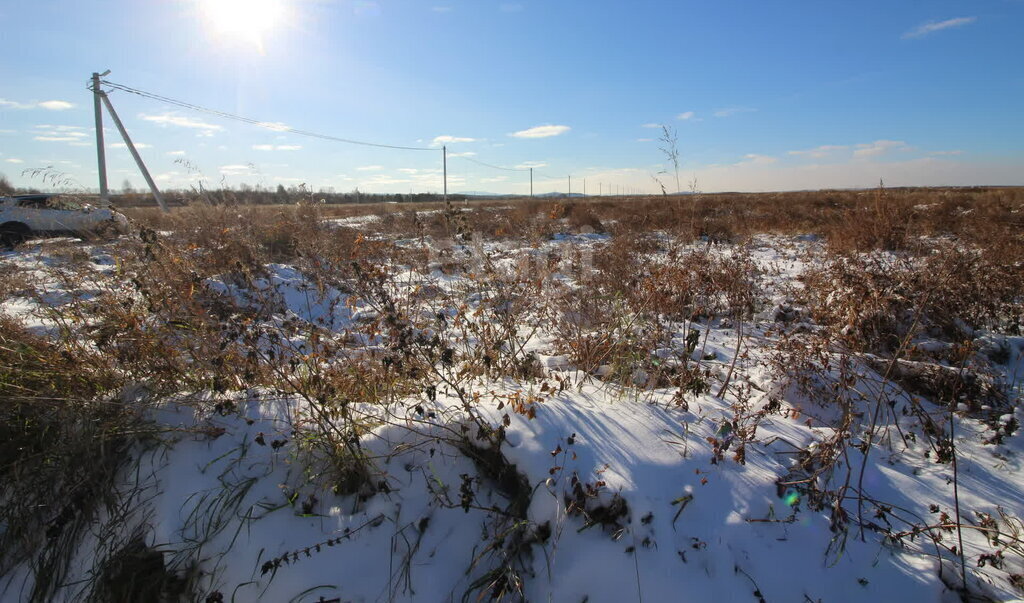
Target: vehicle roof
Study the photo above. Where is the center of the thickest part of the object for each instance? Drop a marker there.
(33, 197)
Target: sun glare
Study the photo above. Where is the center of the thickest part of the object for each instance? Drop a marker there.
(245, 20)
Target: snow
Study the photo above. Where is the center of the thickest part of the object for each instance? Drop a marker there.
(231, 492)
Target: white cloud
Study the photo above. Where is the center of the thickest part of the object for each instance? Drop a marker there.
(494, 179)
(51, 105)
(932, 26)
(280, 147)
(289, 147)
(946, 153)
(755, 159)
(531, 164)
(450, 139)
(138, 145)
(730, 111)
(263, 147)
(879, 147)
(52, 133)
(369, 168)
(685, 115)
(645, 140)
(9, 104)
(651, 125)
(176, 153)
(541, 131)
(14, 160)
(465, 154)
(171, 119)
(819, 152)
(274, 125)
(56, 105)
(236, 169)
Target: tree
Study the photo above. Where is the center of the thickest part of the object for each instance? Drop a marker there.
(5, 186)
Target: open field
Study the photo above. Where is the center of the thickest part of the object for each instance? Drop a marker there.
(783, 397)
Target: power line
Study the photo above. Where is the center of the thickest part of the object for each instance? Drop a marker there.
(256, 122)
(497, 167)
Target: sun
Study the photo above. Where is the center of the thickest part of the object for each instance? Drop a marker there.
(243, 20)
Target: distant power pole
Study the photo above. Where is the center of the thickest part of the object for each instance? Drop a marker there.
(584, 187)
(569, 194)
(531, 182)
(444, 170)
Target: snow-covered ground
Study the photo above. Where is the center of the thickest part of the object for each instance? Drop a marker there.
(565, 483)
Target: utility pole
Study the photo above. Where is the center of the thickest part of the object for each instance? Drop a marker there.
(584, 187)
(531, 182)
(569, 194)
(101, 157)
(135, 152)
(444, 168)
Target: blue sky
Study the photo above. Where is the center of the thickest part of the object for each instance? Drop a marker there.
(763, 95)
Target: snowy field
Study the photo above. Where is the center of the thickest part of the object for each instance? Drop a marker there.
(453, 413)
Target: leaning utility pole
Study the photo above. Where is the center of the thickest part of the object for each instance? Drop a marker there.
(101, 96)
(101, 158)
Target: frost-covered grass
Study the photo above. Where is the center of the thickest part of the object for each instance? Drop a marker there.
(539, 401)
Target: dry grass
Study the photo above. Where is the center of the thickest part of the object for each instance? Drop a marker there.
(897, 266)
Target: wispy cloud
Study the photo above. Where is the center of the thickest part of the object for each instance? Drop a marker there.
(933, 26)
(274, 125)
(466, 154)
(51, 133)
(651, 125)
(370, 168)
(138, 145)
(531, 164)
(879, 147)
(541, 132)
(755, 159)
(279, 147)
(172, 119)
(946, 153)
(445, 139)
(685, 115)
(50, 105)
(730, 111)
(645, 140)
(819, 152)
(236, 169)
(176, 153)
(13, 160)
